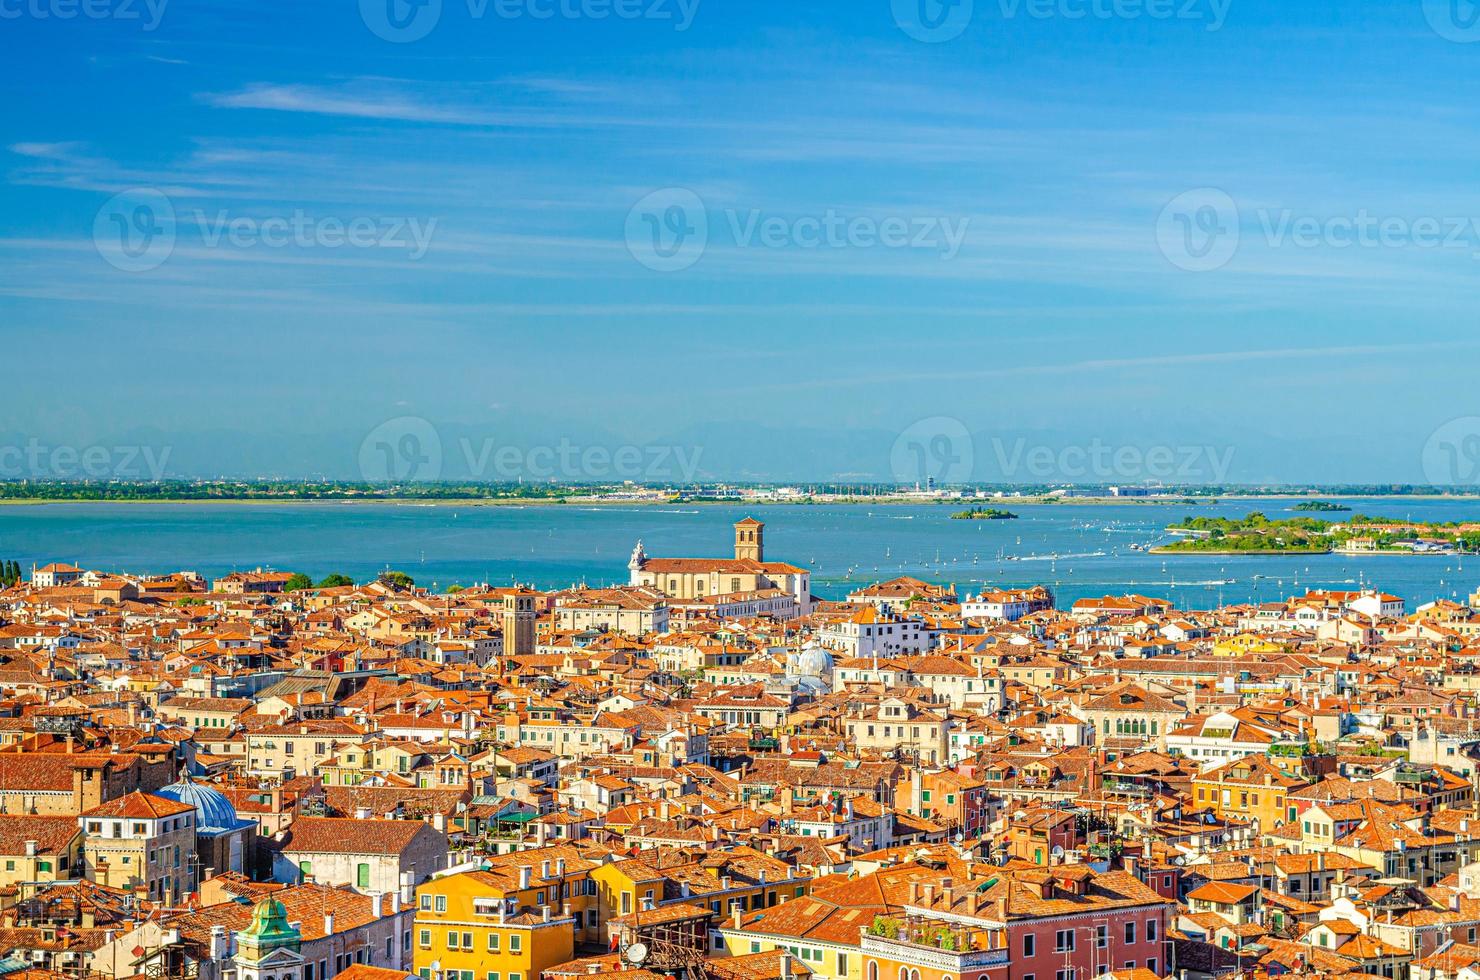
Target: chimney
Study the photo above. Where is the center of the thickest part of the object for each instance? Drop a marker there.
(544, 913)
(362, 813)
(328, 923)
(560, 867)
(735, 913)
(544, 870)
(408, 888)
(439, 822)
(31, 848)
(524, 872)
(377, 905)
(917, 792)
(219, 944)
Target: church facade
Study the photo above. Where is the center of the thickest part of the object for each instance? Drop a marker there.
(705, 578)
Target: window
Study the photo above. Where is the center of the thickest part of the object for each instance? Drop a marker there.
(426, 903)
(1030, 944)
(1065, 974)
(493, 942)
(492, 975)
(755, 947)
(516, 943)
(1130, 932)
(452, 940)
(842, 964)
(467, 942)
(1151, 964)
(305, 868)
(1102, 937)
(1063, 941)
(1151, 930)
(441, 902)
(362, 875)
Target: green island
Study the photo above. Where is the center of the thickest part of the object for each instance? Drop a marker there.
(984, 514)
(1257, 534)
(1320, 506)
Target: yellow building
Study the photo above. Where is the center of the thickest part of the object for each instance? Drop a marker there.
(510, 921)
(1244, 644)
(1249, 788)
(35, 848)
(743, 879)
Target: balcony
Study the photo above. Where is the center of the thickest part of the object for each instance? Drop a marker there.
(932, 943)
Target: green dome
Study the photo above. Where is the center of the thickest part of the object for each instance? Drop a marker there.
(269, 928)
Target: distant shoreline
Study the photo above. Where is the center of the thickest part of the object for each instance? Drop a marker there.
(805, 502)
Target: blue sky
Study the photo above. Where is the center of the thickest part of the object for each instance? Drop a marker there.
(1235, 226)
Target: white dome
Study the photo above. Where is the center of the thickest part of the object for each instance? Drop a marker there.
(814, 661)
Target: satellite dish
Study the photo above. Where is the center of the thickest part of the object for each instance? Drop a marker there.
(636, 953)
(1057, 851)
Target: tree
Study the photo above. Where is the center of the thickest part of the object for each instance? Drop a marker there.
(454, 589)
(398, 579)
(335, 581)
(298, 582)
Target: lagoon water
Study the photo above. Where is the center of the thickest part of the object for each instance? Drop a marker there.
(1077, 550)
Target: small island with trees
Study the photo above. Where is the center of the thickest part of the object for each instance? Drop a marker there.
(1320, 507)
(1257, 534)
(984, 514)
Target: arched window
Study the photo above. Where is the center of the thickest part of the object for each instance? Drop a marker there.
(904, 973)
(914, 975)
(873, 970)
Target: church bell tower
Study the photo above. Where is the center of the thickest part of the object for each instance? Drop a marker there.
(750, 540)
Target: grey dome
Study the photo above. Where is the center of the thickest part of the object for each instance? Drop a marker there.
(814, 661)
